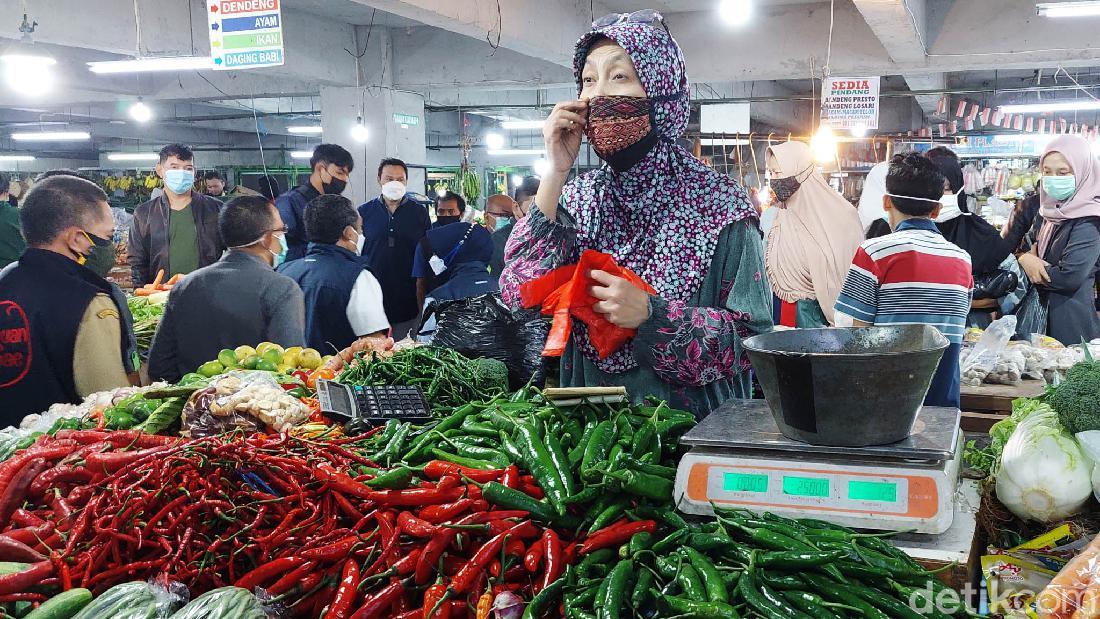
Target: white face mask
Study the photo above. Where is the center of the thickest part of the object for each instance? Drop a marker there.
(362, 240)
(393, 190)
(950, 200)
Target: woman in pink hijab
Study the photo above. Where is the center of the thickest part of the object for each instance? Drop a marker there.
(1065, 261)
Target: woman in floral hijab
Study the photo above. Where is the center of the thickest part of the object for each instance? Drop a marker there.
(686, 230)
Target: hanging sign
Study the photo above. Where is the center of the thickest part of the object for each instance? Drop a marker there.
(850, 102)
(245, 34)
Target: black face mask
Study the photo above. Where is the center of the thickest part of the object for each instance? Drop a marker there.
(101, 258)
(334, 187)
(443, 220)
(784, 188)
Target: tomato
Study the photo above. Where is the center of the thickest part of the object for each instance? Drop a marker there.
(323, 373)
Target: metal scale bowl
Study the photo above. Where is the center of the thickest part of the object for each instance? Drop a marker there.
(850, 387)
(842, 436)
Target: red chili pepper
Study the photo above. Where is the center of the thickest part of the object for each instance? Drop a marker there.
(534, 554)
(13, 550)
(411, 525)
(494, 568)
(406, 564)
(15, 490)
(332, 552)
(111, 461)
(436, 514)
(294, 577)
(465, 577)
(345, 506)
(510, 479)
(438, 468)
(435, 602)
(415, 496)
(30, 535)
(22, 597)
(380, 602)
(501, 587)
(527, 532)
(24, 518)
(266, 571)
(615, 535)
(555, 564)
(445, 482)
(21, 581)
(436, 545)
(346, 592)
(514, 547)
(532, 490)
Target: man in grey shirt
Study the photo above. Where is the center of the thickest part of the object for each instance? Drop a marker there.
(239, 300)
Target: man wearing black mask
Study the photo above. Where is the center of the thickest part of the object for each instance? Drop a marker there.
(62, 331)
(331, 165)
(449, 209)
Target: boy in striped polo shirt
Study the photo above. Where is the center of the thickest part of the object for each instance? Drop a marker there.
(914, 275)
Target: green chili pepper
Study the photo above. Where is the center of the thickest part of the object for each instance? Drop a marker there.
(561, 463)
(808, 603)
(541, 465)
(472, 463)
(691, 583)
(640, 596)
(397, 479)
(614, 598)
(699, 610)
(643, 484)
(599, 445)
(712, 579)
(540, 604)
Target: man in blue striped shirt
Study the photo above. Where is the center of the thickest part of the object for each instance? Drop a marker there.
(914, 275)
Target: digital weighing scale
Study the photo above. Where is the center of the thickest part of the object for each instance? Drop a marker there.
(739, 459)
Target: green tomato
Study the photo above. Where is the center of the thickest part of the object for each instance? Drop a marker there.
(211, 369)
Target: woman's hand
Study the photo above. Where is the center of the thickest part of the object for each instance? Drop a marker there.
(621, 302)
(562, 134)
(1035, 267)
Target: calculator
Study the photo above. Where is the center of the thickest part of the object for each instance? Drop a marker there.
(374, 403)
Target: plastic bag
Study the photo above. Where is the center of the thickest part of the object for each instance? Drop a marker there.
(136, 600)
(564, 292)
(484, 326)
(985, 354)
(1009, 369)
(1075, 590)
(243, 400)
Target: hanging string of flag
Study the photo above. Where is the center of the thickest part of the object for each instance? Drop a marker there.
(971, 116)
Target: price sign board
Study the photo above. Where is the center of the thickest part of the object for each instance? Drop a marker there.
(850, 102)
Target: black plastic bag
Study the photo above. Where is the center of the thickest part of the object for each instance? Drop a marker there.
(995, 284)
(484, 326)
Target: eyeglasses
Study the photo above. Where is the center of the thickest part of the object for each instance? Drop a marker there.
(284, 230)
(645, 16)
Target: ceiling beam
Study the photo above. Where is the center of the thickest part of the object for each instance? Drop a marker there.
(900, 26)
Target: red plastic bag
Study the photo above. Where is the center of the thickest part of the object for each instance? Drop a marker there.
(563, 294)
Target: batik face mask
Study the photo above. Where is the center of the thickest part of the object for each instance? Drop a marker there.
(784, 188)
(617, 123)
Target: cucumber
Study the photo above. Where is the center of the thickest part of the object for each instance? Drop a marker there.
(130, 600)
(63, 605)
(12, 567)
(225, 603)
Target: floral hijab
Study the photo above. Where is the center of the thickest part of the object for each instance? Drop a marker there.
(662, 217)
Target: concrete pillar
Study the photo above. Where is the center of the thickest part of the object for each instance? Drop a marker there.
(340, 107)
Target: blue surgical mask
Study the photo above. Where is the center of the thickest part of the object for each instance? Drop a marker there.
(1060, 187)
(280, 257)
(179, 181)
(502, 222)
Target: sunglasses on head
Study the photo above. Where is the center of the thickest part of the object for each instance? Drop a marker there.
(648, 17)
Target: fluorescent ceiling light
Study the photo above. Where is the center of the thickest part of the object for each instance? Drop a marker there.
(517, 151)
(522, 124)
(133, 157)
(142, 65)
(51, 136)
(721, 142)
(27, 71)
(494, 141)
(1066, 106)
(305, 129)
(1068, 9)
(16, 157)
(141, 112)
(301, 154)
(735, 12)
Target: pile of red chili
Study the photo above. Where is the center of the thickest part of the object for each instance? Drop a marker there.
(291, 516)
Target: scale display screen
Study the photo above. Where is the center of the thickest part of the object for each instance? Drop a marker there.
(744, 482)
(873, 491)
(806, 486)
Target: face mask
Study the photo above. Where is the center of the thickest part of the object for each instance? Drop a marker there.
(393, 190)
(334, 187)
(784, 188)
(617, 123)
(101, 256)
(359, 243)
(443, 220)
(502, 222)
(281, 256)
(179, 181)
(1060, 187)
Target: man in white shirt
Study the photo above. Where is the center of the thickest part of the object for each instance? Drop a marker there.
(343, 298)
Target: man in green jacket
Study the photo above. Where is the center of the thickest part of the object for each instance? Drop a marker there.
(11, 238)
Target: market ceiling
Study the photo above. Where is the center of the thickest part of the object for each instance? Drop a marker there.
(444, 49)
